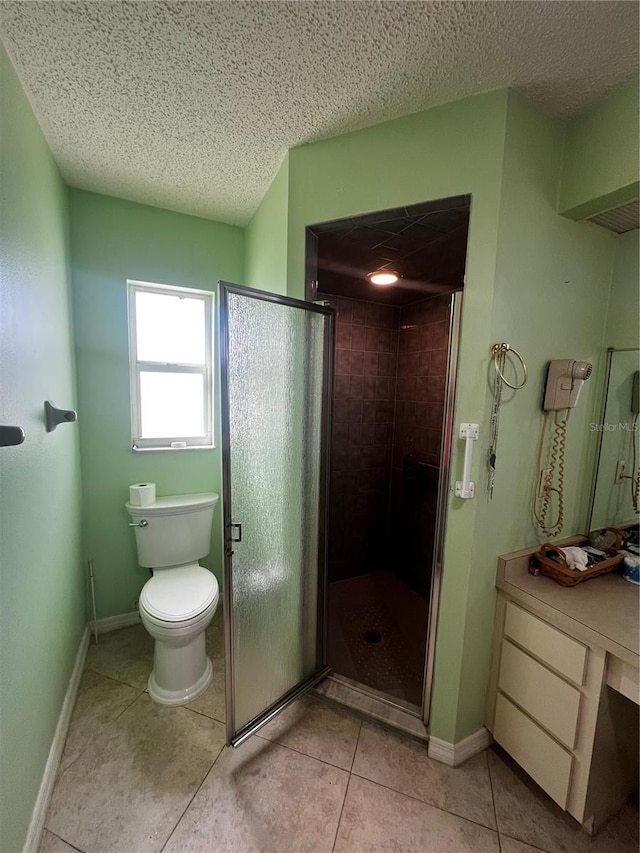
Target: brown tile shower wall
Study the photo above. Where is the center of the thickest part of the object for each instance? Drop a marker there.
(362, 440)
(422, 367)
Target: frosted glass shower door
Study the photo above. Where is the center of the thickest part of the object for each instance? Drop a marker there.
(275, 366)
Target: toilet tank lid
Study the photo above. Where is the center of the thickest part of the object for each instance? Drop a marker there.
(174, 504)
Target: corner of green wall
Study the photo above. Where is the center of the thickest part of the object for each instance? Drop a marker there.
(42, 584)
(542, 259)
(600, 168)
(266, 236)
(113, 240)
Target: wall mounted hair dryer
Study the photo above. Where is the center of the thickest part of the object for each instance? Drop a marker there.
(565, 378)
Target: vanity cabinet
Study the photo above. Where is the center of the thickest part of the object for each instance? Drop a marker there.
(549, 703)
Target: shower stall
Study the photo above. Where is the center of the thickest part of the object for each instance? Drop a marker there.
(393, 388)
(336, 431)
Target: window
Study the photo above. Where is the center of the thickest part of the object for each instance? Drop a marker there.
(170, 351)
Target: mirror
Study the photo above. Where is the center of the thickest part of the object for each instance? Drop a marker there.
(616, 490)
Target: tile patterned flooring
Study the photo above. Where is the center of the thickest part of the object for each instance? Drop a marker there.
(138, 777)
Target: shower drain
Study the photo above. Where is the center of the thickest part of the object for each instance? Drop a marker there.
(374, 638)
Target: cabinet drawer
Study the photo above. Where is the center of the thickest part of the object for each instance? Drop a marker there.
(536, 752)
(540, 692)
(551, 646)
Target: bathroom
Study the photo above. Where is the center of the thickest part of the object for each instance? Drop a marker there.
(536, 275)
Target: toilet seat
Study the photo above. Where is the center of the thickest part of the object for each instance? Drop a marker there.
(179, 595)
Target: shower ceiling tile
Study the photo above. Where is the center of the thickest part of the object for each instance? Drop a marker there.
(430, 258)
(379, 217)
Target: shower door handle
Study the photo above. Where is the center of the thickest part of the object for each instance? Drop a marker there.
(233, 539)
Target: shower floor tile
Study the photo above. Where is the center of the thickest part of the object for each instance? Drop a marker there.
(378, 634)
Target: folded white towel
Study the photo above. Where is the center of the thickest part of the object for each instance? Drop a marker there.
(576, 558)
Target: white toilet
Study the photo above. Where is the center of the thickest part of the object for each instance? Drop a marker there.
(178, 602)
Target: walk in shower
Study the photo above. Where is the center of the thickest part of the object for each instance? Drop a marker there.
(393, 384)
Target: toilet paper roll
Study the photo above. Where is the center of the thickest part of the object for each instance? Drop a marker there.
(142, 494)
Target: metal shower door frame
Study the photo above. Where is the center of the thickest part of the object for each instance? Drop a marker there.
(236, 737)
(455, 331)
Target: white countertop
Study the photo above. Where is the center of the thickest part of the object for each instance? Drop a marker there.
(602, 611)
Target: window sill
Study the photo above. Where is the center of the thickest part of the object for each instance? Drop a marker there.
(172, 449)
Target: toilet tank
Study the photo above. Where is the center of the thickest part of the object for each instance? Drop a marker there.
(178, 529)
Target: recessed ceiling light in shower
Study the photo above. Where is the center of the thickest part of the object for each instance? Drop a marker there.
(383, 277)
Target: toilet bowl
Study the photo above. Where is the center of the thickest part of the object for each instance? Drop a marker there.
(179, 601)
(176, 607)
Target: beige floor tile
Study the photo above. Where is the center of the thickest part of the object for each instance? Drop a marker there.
(377, 819)
(215, 636)
(263, 798)
(620, 834)
(211, 702)
(50, 843)
(100, 700)
(404, 765)
(526, 813)
(510, 845)
(318, 730)
(128, 789)
(126, 655)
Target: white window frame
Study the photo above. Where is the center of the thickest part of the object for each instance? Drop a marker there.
(178, 442)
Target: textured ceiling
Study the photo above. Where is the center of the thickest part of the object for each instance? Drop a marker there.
(425, 243)
(192, 105)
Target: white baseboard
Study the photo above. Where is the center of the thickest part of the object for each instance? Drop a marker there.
(36, 825)
(112, 623)
(454, 754)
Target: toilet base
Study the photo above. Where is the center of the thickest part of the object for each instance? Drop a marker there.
(181, 668)
(182, 696)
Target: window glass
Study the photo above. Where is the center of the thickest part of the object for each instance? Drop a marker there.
(171, 366)
(172, 405)
(170, 329)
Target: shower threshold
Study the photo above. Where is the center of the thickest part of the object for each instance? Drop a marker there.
(372, 704)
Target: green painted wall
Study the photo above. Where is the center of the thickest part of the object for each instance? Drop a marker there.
(42, 601)
(266, 237)
(550, 301)
(533, 279)
(113, 240)
(601, 154)
(450, 150)
(624, 299)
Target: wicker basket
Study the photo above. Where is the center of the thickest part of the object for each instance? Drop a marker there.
(562, 574)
